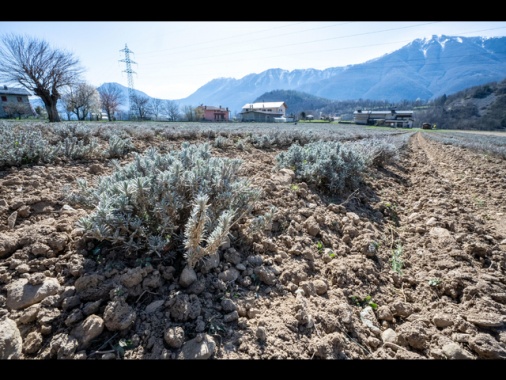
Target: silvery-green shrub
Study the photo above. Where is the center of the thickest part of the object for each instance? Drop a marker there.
(76, 149)
(118, 147)
(20, 146)
(332, 166)
(164, 203)
(377, 151)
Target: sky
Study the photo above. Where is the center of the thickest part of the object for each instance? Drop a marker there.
(173, 59)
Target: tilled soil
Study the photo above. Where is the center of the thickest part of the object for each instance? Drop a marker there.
(409, 266)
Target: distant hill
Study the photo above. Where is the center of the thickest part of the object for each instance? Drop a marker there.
(480, 107)
(477, 107)
(296, 101)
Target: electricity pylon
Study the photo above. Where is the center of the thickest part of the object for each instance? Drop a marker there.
(129, 71)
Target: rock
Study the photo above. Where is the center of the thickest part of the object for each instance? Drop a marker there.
(199, 348)
(369, 319)
(118, 315)
(442, 320)
(21, 294)
(486, 319)
(88, 330)
(154, 306)
(11, 343)
(229, 275)
(8, 244)
(486, 347)
(454, 351)
(440, 232)
(174, 336)
(389, 335)
(11, 220)
(188, 277)
(132, 277)
(33, 342)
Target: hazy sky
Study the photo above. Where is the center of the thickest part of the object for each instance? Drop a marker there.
(173, 59)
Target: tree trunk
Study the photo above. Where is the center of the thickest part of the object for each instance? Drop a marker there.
(50, 104)
(52, 112)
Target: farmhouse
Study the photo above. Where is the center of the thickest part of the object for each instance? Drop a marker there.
(211, 113)
(392, 118)
(14, 102)
(264, 112)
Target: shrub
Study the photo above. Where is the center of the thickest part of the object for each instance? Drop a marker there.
(164, 203)
(377, 152)
(119, 147)
(332, 165)
(20, 146)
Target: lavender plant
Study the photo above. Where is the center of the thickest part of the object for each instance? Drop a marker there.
(20, 146)
(332, 165)
(118, 147)
(162, 203)
(75, 149)
(70, 130)
(221, 142)
(377, 151)
(195, 231)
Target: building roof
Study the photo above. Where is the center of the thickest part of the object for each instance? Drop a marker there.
(13, 91)
(264, 105)
(262, 112)
(213, 108)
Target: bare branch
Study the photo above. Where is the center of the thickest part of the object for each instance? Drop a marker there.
(37, 67)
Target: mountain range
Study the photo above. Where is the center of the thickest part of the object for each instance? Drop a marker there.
(424, 69)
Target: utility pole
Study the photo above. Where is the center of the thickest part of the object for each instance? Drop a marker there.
(128, 62)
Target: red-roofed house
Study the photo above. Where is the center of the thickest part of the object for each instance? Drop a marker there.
(211, 113)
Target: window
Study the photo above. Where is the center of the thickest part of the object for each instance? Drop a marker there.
(20, 99)
(4, 98)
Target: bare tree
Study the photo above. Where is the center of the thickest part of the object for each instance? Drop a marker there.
(37, 67)
(18, 110)
(189, 113)
(155, 107)
(83, 99)
(199, 113)
(65, 108)
(140, 106)
(111, 98)
(171, 109)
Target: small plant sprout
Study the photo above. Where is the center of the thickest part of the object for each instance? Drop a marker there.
(373, 247)
(364, 302)
(434, 281)
(319, 246)
(396, 260)
(123, 345)
(479, 202)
